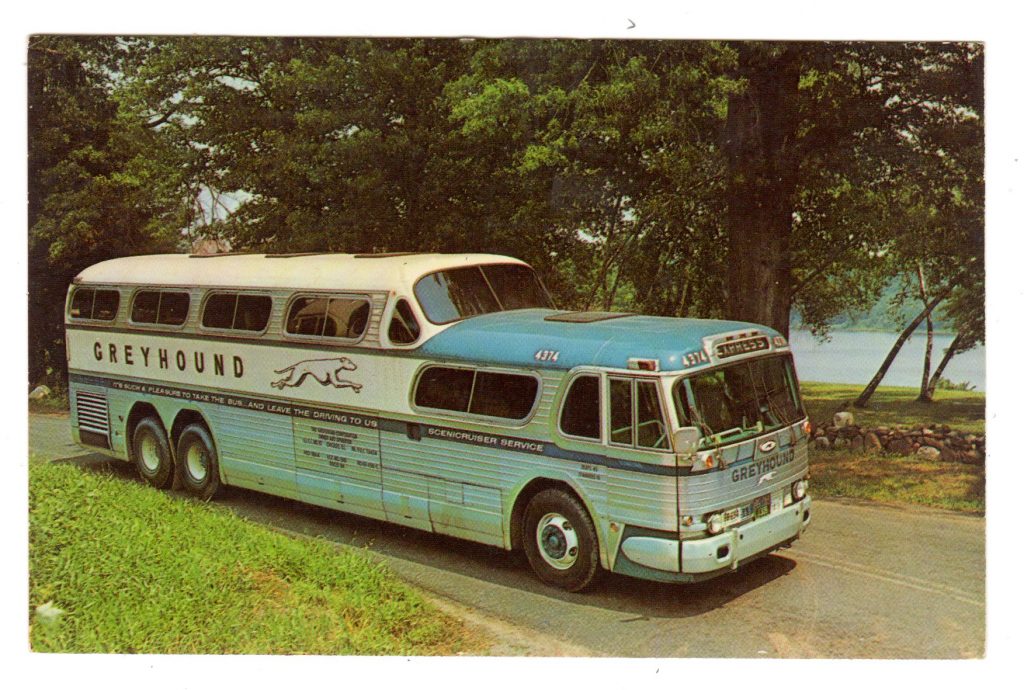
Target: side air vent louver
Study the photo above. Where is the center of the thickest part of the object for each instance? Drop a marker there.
(93, 420)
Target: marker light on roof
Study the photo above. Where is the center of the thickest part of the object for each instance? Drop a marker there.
(643, 364)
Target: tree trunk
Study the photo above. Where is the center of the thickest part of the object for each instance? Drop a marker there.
(925, 394)
(760, 136)
(682, 305)
(862, 399)
(609, 298)
(950, 351)
(609, 254)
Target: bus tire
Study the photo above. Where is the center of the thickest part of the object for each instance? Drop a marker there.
(197, 462)
(152, 453)
(560, 540)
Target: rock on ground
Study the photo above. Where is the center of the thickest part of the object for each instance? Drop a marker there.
(40, 392)
(841, 419)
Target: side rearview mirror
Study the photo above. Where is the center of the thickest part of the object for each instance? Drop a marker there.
(685, 440)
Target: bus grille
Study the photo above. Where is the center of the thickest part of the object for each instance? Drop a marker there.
(92, 413)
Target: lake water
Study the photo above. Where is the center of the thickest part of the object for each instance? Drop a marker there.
(854, 357)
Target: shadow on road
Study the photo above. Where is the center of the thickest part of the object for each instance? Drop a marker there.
(641, 599)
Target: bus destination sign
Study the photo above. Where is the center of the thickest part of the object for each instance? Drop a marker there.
(741, 347)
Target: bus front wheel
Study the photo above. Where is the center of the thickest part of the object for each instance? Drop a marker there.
(197, 459)
(560, 540)
(152, 453)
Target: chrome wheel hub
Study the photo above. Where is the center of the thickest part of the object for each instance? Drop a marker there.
(149, 453)
(557, 541)
(197, 462)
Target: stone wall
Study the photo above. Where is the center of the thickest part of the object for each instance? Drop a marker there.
(936, 443)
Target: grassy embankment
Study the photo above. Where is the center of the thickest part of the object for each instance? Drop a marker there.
(139, 570)
(896, 478)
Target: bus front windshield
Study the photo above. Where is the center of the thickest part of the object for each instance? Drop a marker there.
(738, 401)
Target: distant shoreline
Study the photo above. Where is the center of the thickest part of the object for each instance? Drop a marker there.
(873, 330)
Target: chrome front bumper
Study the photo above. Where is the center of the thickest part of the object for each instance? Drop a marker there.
(658, 558)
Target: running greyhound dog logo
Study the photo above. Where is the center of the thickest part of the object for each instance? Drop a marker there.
(325, 371)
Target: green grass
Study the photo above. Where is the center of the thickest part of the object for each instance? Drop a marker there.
(889, 406)
(138, 570)
(894, 478)
(898, 479)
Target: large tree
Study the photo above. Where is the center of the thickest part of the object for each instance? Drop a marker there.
(101, 184)
(847, 124)
(683, 178)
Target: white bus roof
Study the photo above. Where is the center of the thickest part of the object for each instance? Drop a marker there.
(351, 272)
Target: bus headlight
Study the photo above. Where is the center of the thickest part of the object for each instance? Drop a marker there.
(715, 523)
(799, 490)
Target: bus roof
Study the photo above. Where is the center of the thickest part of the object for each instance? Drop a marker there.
(516, 338)
(353, 272)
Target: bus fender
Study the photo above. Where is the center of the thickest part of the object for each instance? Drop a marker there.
(528, 486)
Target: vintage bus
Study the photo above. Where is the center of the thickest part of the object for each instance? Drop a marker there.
(446, 393)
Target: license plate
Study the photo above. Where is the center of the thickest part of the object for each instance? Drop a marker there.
(761, 506)
(777, 501)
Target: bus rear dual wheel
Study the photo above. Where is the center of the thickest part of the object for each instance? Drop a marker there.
(196, 453)
(560, 540)
(197, 462)
(152, 453)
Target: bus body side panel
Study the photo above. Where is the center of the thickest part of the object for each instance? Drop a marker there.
(255, 449)
(643, 500)
(444, 486)
(461, 478)
(337, 464)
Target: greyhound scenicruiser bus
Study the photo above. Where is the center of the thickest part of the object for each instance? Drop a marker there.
(444, 392)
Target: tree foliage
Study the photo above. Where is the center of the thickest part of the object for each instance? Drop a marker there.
(715, 179)
(100, 184)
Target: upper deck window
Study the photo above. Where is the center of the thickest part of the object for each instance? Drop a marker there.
(458, 293)
(89, 303)
(484, 393)
(328, 317)
(237, 312)
(404, 328)
(160, 306)
(741, 400)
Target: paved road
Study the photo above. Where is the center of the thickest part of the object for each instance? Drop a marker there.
(865, 581)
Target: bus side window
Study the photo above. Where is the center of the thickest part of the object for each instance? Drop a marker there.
(581, 411)
(88, 303)
(252, 313)
(323, 317)
(403, 329)
(508, 396)
(219, 311)
(163, 307)
(445, 388)
(346, 318)
(173, 308)
(96, 304)
(307, 316)
(651, 431)
(621, 392)
(145, 305)
(105, 308)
